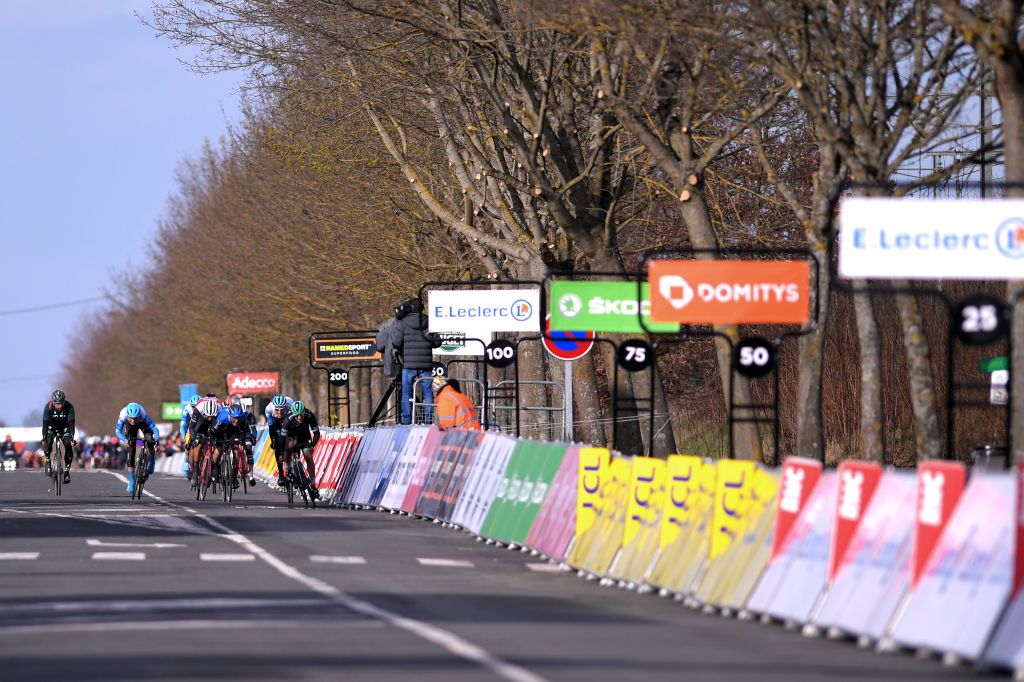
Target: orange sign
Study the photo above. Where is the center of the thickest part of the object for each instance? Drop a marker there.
(729, 291)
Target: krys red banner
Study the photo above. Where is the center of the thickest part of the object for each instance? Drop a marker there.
(939, 486)
(857, 484)
(251, 383)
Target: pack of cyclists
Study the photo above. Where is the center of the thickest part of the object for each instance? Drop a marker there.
(293, 430)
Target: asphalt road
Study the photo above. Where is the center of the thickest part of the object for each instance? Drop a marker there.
(94, 586)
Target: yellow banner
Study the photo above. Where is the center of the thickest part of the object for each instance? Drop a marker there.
(681, 489)
(645, 491)
(592, 474)
(735, 480)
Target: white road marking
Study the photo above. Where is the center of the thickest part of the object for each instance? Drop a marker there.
(544, 568)
(448, 641)
(154, 605)
(164, 625)
(119, 556)
(213, 556)
(18, 556)
(451, 563)
(93, 542)
(321, 559)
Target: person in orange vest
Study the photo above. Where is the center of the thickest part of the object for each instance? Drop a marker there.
(454, 409)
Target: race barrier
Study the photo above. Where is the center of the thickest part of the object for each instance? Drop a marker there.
(927, 560)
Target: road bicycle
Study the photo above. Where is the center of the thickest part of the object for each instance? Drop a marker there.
(204, 470)
(296, 478)
(241, 463)
(57, 465)
(141, 470)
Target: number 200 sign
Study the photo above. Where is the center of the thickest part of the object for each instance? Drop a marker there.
(754, 357)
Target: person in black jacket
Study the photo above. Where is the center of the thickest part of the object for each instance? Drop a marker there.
(409, 336)
(59, 422)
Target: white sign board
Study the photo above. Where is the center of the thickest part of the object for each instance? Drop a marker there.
(999, 393)
(926, 239)
(456, 343)
(476, 312)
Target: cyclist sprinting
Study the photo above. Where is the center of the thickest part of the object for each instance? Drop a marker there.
(230, 423)
(59, 422)
(199, 428)
(188, 413)
(132, 421)
(276, 411)
(301, 433)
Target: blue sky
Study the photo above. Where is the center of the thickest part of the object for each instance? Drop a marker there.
(95, 115)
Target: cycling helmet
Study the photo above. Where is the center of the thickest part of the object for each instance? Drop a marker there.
(298, 408)
(193, 400)
(58, 396)
(133, 411)
(209, 409)
(235, 412)
(280, 401)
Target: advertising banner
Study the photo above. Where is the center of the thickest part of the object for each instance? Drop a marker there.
(344, 350)
(939, 486)
(593, 470)
(933, 239)
(729, 291)
(732, 496)
(857, 484)
(602, 306)
(253, 383)
(682, 489)
(799, 476)
(170, 412)
(642, 509)
(483, 311)
(1018, 570)
(455, 343)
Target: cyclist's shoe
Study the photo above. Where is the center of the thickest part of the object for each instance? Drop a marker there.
(314, 493)
(188, 475)
(67, 476)
(252, 481)
(131, 481)
(235, 484)
(281, 482)
(49, 470)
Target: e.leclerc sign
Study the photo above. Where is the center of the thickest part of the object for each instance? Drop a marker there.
(477, 312)
(926, 239)
(601, 306)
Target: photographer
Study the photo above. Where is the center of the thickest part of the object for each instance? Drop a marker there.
(415, 347)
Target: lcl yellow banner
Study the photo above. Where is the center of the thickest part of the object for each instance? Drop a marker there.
(592, 474)
(682, 486)
(645, 493)
(732, 500)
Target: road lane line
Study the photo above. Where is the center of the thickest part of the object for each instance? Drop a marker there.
(164, 625)
(18, 556)
(321, 559)
(544, 568)
(450, 563)
(154, 605)
(93, 542)
(119, 556)
(214, 556)
(449, 641)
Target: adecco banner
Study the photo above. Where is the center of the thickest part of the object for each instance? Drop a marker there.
(602, 306)
(483, 311)
(729, 291)
(250, 383)
(917, 239)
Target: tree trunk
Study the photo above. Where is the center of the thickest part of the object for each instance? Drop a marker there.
(1010, 92)
(927, 434)
(810, 433)
(870, 375)
(746, 436)
(589, 419)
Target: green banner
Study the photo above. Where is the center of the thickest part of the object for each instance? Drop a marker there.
(601, 306)
(170, 412)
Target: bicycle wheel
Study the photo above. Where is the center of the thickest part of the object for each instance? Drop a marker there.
(141, 471)
(227, 466)
(289, 488)
(243, 470)
(301, 481)
(57, 468)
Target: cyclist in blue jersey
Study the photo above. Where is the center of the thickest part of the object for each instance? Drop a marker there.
(234, 422)
(132, 421)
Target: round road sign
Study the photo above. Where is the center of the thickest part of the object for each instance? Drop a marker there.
(754, 357)
(571, 345)
(635, 355)
(338, 377)
(980, 320)
(500, 353)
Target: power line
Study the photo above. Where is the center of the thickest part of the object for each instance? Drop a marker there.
(52, 306)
